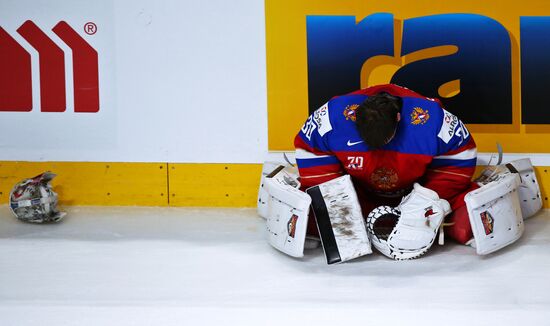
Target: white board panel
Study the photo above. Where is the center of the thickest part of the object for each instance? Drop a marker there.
(178, 82)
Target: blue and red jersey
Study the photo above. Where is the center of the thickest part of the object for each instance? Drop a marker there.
(431, 146)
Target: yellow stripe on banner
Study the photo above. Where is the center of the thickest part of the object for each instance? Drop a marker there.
(225, 185)
(85, 183)
(148, 184)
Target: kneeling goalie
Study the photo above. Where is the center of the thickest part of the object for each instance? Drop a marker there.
(388, 167)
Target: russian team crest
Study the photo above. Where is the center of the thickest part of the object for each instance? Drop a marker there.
(384, 178)
(419, 116)
(349, 112)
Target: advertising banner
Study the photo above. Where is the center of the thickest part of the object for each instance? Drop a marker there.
(485, 60)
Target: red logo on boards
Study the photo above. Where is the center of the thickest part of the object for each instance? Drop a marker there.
(15, 65)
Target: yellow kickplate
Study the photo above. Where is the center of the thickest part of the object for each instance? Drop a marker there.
(225, 185)
(158, 184)
(84, 183)
(543, 177)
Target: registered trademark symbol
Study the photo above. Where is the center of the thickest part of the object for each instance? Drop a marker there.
(90, 28)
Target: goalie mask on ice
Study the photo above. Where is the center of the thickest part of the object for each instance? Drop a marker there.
(33, 200)
(408, 230)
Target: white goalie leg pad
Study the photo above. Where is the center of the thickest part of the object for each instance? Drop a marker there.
(339, 220)
(529, 191)
(269, 170)
(420, 215)
(495, 213)
(287, 216)
(530, 198)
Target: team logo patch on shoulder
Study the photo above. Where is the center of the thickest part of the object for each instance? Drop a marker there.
(419, 116)
(349, 112)
(450, 127)
(322, 119)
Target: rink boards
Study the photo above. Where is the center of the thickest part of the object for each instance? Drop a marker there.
(158, 184)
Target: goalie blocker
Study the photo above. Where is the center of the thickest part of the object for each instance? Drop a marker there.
(339, 220)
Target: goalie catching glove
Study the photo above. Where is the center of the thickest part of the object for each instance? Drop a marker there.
(408, 230)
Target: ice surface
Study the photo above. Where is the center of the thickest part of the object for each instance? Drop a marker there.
(183, 266)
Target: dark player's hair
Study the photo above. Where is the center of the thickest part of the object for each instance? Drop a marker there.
(376, 118)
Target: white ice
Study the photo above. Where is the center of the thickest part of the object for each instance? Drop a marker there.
(183, 266)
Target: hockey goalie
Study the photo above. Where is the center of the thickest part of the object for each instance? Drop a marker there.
(387, 167)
